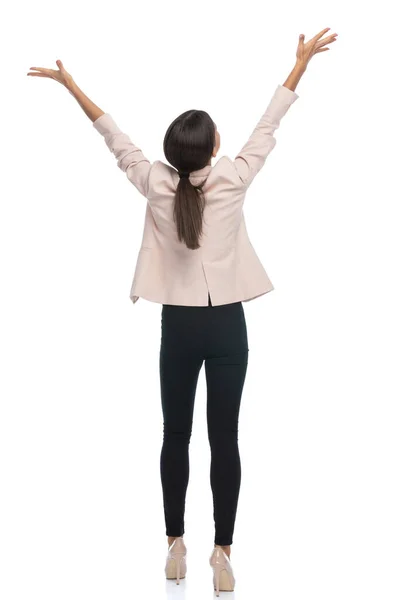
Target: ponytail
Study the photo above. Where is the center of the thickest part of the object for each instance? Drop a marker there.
(188, 146)
(188, 212)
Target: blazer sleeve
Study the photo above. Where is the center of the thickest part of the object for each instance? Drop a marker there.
(131, 159)
(254, 153)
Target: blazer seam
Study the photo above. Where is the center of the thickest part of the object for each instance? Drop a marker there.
(242, 183)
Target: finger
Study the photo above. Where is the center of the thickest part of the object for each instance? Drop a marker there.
(60, 65)
(316, 37)
(321, 50)
(39, 74)
(323, 42)
(328, 39)
(41, 69)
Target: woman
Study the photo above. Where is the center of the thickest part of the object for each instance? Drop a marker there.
(197, 261)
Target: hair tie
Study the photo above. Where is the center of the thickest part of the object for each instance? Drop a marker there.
(183, 174)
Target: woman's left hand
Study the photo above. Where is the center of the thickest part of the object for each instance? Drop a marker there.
(60, 75)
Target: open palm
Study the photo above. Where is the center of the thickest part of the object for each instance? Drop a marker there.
(305, 51)
(60, 75)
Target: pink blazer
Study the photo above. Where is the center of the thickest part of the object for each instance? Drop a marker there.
(226, 265)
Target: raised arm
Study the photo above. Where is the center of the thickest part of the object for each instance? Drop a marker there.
(130, 158)
(252, 156)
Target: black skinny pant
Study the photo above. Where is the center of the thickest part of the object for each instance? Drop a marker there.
(190, 335)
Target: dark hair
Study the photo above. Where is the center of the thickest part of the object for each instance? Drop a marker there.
(188, 146)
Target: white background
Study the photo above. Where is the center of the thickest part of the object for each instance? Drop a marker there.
(81, 426)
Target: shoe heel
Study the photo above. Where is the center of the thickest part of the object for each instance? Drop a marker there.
(222, 580)
(176, 561)
(174, 569)
(218, 574)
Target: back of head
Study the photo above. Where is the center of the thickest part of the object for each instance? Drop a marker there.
(188, 146)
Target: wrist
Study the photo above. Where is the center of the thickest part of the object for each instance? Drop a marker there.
(300, 66)
(71, 86)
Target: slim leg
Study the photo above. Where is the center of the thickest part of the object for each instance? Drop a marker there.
(179, 371)
(225, 376)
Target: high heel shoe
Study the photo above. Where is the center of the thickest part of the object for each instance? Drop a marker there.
(175, 567)
(223, 578)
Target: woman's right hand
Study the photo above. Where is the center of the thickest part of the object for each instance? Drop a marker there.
(305, 51)
(61, 75)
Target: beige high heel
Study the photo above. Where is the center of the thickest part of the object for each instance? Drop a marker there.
(175, 567)
(223, 578)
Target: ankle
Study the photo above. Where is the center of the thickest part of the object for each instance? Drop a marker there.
(171, 539)
(226, 549)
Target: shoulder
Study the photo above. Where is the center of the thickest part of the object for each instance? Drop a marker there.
(224, 165)
(163, 178)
